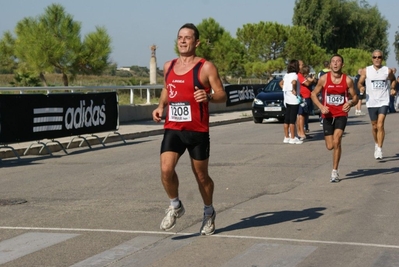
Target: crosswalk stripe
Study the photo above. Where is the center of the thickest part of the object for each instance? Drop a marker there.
(27, 243)
(267, 254)
(107, 257)
(149, 255)
(387, 258)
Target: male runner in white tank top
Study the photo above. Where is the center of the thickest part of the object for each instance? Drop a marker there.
(380, 83)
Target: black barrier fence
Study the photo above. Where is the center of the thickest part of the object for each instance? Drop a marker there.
(32, 117)
(241, 93)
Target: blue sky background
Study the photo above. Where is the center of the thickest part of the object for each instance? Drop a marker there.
(135, 25)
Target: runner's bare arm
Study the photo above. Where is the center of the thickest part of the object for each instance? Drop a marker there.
(210, 77)
(391, 76)
(360, 83)
(347, 106)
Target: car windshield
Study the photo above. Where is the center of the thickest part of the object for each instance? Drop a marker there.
(273, 86)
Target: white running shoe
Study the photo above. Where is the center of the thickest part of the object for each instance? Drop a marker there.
(286, 140)
(295, 141)
(334, 176)
(378, 153)
(169, 221)
(208, 224)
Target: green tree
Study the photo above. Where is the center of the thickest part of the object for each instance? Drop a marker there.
(52, 42)
(337, 24)
(228, 56)
(7, 55)
(396, 46)
(210, 33)
(263, 42)
(93, 53)
(354, 59)
(300, 45)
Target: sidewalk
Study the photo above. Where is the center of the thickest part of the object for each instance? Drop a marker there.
(126, 131)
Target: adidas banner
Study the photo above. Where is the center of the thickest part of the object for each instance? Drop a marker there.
(33, 117)
(241, 93)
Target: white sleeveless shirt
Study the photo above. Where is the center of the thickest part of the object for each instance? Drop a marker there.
(289, 97)
(377, 87)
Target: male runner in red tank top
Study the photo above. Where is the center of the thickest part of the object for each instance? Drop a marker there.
(191, 83)
(335, 87)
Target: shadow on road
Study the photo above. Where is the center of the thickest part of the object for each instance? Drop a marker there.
(274, 217)
(373, 172)
(268, 218)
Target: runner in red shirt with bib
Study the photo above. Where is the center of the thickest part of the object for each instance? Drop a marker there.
(335, 87)
(191, 83)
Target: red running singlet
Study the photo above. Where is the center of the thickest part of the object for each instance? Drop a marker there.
(335, 96)
(184, 113)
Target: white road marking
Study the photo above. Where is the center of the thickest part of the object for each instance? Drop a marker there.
(193, 234)
(265, 254)
(151, 254)
(27, 243)
(119, 252)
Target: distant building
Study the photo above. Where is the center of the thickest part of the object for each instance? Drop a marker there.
(124, 68)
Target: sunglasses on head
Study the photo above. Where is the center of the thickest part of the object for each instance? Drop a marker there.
(379, 57)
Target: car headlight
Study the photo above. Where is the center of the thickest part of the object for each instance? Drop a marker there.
(258, 101)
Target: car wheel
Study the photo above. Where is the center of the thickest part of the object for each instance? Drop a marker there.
(258, 120)
(280, 119)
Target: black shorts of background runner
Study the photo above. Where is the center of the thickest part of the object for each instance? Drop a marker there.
(374, 112)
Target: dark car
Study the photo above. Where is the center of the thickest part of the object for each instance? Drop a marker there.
(269, 102)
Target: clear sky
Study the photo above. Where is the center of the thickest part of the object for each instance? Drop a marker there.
(135, 25)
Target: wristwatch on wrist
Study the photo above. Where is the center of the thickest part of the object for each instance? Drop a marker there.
(209, 97)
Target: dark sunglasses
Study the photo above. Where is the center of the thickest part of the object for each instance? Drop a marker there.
(379, 57)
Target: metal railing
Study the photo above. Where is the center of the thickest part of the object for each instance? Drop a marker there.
(73, 89)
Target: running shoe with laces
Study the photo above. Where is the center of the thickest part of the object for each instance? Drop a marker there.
(334, 176)
(208, 224)
(169, 221)
(295, 141)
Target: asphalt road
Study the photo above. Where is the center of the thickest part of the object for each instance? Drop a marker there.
(275, 204)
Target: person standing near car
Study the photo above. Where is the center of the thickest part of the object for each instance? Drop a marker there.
(189, 82)
(378, 79)
(335, 88)
(306, 81)
(290, 88)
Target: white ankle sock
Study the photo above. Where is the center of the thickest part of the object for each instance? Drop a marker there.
(175, 202)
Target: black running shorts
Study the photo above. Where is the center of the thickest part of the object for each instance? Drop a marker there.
(197, 143)
(330, 124)
(374, 112)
